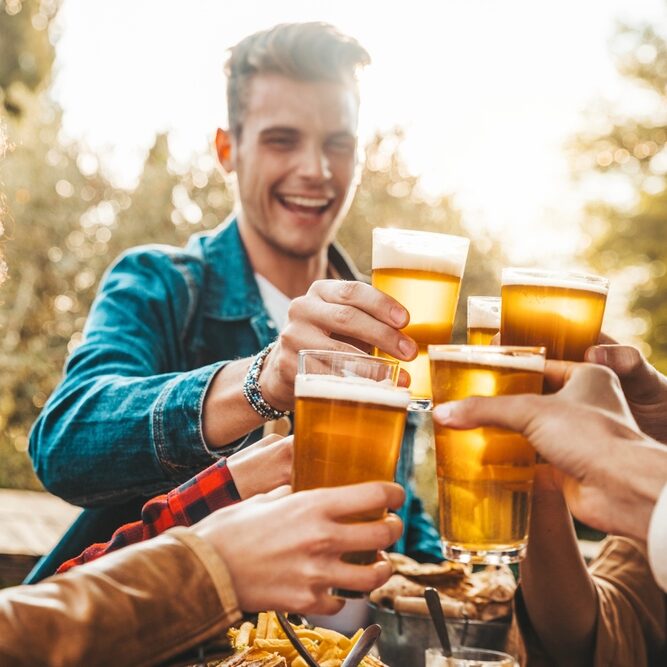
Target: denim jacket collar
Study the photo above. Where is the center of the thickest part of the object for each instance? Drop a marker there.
(231, 289)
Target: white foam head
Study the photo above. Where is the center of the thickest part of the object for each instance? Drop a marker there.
(361, 390)
(488, 355)
(587, 282)
(420, 251)
(484, 312)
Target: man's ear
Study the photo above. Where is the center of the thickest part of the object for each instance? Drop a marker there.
(223, 147)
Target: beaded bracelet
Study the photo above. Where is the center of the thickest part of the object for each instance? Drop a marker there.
(253, 392)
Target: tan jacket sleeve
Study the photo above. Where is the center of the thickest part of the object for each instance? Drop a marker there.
(631, 625)
(137, 606)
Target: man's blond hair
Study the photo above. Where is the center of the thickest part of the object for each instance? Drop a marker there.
(301, 51)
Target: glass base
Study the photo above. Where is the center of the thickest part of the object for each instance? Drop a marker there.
(498, 556)
(420, 405)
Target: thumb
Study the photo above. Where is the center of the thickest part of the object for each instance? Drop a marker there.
(512, 412)
(638, 378)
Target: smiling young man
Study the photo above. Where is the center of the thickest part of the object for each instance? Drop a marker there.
(188, 353)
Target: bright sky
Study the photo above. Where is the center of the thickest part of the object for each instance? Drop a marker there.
(487, 90)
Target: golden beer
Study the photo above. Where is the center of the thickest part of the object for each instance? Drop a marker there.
(562, 311)
(422, 271)
(347, 430)
(483, 319)
(485, 475)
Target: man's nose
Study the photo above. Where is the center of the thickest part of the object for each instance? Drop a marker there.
(314, 164)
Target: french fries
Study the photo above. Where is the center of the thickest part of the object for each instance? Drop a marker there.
(328, 647)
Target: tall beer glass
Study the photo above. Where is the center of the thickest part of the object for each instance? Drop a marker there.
(422, 271)
(561, 310)
(348, 424)
(483, 319)
(485, 475)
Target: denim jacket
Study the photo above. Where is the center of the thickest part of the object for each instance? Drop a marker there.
(126, 420)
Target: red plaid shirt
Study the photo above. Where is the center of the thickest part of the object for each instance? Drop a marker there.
(186, 504)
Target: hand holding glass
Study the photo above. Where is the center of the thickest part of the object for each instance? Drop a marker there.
(348, 424)
(422, 271)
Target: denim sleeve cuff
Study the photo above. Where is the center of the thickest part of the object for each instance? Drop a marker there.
(176, 423)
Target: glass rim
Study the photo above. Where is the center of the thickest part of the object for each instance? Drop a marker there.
(462, 650)
(512, 275)
(525, 350)
(339, 354)
(419, 234)
(418, 250)
(492, 356)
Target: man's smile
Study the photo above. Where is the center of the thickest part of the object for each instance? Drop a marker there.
(304, 204)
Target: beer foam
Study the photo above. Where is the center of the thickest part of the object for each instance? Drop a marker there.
(484, 312)
(586, 282)
(486, 355)
(361, 390)
(419, 251)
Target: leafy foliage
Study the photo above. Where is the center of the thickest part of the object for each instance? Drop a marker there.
(628, 154)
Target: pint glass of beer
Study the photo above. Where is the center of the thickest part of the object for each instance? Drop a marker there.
(485, 475)
(422, 271)
(561, 310)
(483, 319)
(348, 424)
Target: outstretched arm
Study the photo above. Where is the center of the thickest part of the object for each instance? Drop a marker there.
(610, 474)
(258, 468)
(558, 593)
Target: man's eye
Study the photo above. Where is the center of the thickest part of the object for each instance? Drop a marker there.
(280, 142)
(341, 146)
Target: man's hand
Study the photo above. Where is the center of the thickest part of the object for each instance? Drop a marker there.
(263, 466)
(645, 388)
(283, 551)
(338, 315)
(610, 469)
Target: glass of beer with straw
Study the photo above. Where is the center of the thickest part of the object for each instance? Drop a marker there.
(349, 419)
(422, 271)
(483, 319)
(485, 475)
(561, 310)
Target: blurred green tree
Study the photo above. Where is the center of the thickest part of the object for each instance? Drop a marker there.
(26, 53)
(624, 156)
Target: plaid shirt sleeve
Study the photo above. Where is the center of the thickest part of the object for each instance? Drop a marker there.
(183, 506)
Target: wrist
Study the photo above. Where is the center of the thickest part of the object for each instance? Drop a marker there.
(271, 390)
(256, 393)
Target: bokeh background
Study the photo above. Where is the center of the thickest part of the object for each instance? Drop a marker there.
(539, 131)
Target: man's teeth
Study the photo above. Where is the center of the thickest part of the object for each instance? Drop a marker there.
(306, 201)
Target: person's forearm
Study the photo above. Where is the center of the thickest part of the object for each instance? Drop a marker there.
(145, 603)
(109, 437)
(226, 414)
(558, 592)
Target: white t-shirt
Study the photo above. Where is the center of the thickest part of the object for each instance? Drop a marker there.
(277, 303)
(657, 540)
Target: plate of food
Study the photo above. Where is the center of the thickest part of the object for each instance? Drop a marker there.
(264, 644)
(477, 605)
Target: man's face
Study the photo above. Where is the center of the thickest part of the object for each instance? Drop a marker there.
(295, 161)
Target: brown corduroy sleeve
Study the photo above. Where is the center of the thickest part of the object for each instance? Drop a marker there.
(137, 606)
(631, 624)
